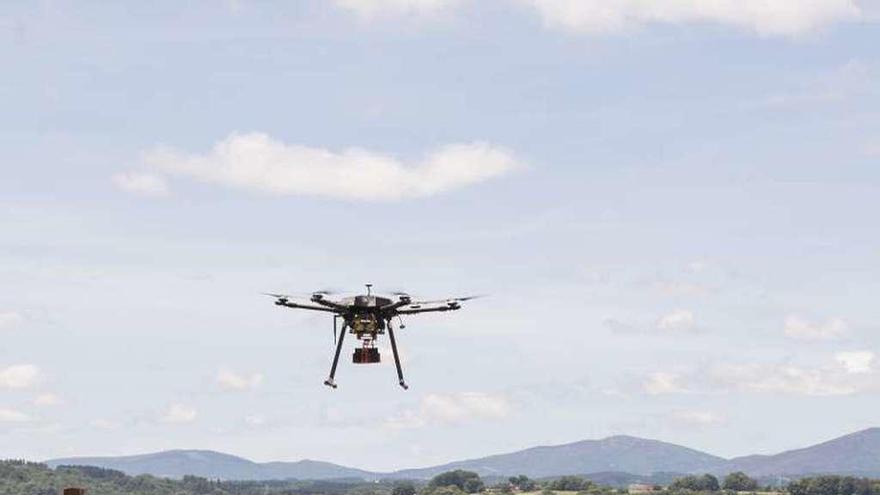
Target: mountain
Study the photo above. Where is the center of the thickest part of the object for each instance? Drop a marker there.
(618, 453)
(617, 458)
(209, 464)
(856, 453)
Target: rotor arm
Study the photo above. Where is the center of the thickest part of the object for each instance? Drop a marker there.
(403, 301)
(413, 311)
(285, 300)
(334, 306)
(289, 304)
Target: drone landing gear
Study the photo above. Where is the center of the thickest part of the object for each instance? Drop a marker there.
(396, 357)
(330, 382)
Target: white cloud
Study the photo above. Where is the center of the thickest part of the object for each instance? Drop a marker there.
(802, 329)
(682, 289)
(697, 417)
(661, 382)
(676, 322)
(446, 409)
(621, 327)
(48, 399)
(179, 413)
(789, 379)
(256, 162)
(680, 320)
(231, 380)
(697, 266)
(372, 9)
(19, 376)
(142, 184)
(10, 319)
(856, 362)
(844, 373)
(765, 17)
(103, 424)
(13, 416)
(255, 420)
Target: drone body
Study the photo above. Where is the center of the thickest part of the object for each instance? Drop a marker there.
(367, 317)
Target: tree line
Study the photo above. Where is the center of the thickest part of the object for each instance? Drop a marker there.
(28, 478)
(813, 485)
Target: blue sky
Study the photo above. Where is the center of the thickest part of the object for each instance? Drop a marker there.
(671, 204)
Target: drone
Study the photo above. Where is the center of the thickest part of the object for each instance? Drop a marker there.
(367, 317)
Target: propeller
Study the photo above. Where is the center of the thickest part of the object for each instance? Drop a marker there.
(451, 299)
(279, 297)
(322, 292)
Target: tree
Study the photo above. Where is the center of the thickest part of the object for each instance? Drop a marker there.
(740, 481)
(833, 485)
(404, 488)
(523, 483)
(571, 484)
(473, 485)
(466, 481)
(704, 483)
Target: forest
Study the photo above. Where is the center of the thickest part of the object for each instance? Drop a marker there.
(29, 478)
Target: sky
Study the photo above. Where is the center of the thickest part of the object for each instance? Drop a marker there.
(670, 205)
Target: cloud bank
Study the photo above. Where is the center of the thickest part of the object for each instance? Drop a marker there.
(661, 383)
(47, 399)
(230, 380)
(764, 17)
(680, 320)
(179, 413)
(10, 319)
(258, 163)
(19, 376)
(141, 184)
(789, 18)
(13, 416)
(802, 329)
(455, 408)
(846, 373)
(371, 9)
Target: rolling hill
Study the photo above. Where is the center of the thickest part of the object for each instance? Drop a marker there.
(617, 453)
(857, 453)
(210, 464)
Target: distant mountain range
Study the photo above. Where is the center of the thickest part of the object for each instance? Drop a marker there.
(216, 465)
(613, 458)
(617, 453)
(857, 453)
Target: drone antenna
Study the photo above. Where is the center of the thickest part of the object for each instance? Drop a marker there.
(369, 287)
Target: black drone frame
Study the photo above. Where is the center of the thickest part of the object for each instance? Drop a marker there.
(378, 312)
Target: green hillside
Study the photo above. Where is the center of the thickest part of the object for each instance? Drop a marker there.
(28, 478)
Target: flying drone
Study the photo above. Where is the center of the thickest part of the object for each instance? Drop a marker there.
(368, 316)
